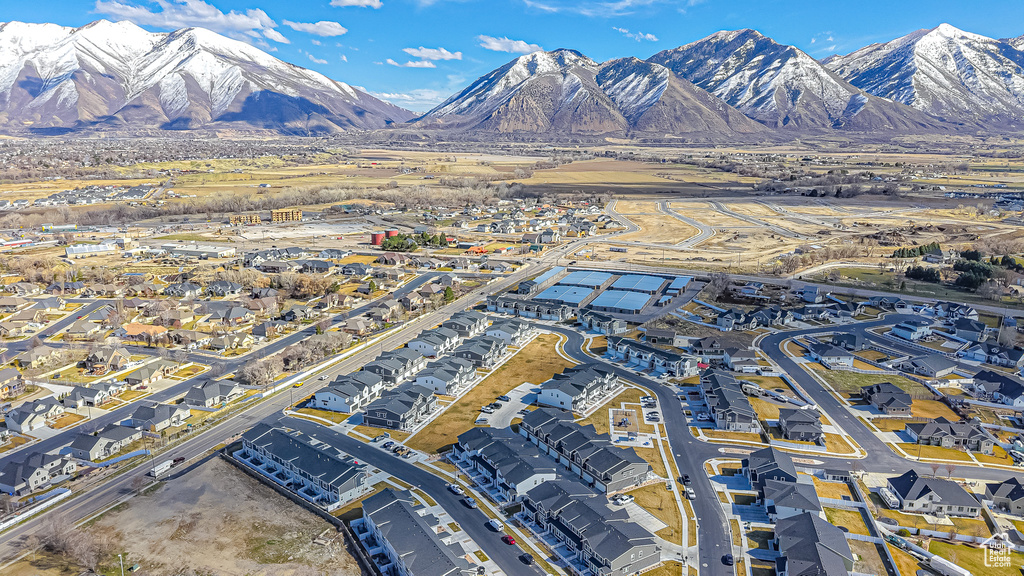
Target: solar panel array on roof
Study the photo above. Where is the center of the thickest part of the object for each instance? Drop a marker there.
(571, 295)
(620, 301)
(639, 283)
(680, 283)
(585, 278)
(549, 275)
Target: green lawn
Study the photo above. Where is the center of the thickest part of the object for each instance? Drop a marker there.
(973, 559)
(852, 382)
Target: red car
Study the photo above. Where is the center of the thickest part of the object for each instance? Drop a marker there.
(507, 539)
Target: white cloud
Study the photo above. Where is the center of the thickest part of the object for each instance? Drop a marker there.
(321, 28)
(413, 64)
(316, 42)
(419, 100)
(344, 58)
(276, 36)
(506, 44)
(357, 3)
(638, 36)
(173, 14)
(597, 8)
(432, 53)
(316, 60)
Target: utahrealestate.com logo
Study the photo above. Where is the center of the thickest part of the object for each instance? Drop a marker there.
(997, 551)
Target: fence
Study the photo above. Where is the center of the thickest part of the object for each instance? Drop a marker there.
(58, 495)
(118, 459)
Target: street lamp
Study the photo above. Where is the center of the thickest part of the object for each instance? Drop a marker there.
(121, 560)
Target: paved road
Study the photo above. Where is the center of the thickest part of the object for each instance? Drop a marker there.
(472, 521)
(881, 458)
(689, 454)
(12, 542)
(66, 436)
(796, 284)
(703, 230)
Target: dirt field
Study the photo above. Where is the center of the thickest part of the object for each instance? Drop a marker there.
(703, 212)
(217, 520)
(659, 229)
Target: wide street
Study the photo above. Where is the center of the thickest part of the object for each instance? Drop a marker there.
(99, 497)
(688, 452)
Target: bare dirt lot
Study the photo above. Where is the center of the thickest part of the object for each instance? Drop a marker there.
(217, 520)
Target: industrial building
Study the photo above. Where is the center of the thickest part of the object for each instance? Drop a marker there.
(620, 302)
(639, 283)
(199, 250)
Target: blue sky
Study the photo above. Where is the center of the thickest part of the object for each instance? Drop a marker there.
(416, 52)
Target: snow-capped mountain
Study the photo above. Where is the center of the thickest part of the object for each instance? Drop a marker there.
(949, 73)
(119, 75)
(566, 92)
(782, 86)
(1017, 42)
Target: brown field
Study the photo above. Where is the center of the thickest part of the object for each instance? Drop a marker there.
(214, 520)
(658, 229)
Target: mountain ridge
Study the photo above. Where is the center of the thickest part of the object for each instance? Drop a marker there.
(946, 72)
(564, 91)
(118, 75)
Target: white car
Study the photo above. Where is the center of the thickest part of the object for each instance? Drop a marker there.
(703, 417)
(690, 494)
(487, 410)
(495, 525)
(456, 489)
(623, 499)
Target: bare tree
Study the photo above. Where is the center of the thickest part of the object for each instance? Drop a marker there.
(718, 284)
(949, 467)
(138, 482)
(935, 469)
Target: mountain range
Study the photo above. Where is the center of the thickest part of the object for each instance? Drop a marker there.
(731, 85)
(118, 75)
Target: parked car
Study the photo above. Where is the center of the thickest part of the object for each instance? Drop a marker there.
(487, 410)
(508, 539)
(380, 437)
(322, 378)
(526, 559)
(495, 525)
(622, 499)
(690, 494)
(727, 560)
(387, 445)
(703, 417)
(456, 489)
(496, 405)
(685, 479)
(504, 398)
(469, 502)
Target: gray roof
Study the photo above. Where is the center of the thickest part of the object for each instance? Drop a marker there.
(792, 495)
(811, 546)
(911, 486)
(410, 535)
(316, 459)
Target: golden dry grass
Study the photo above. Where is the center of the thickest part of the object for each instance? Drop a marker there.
(849, 519)
(932, 409)
(535, 363)
(662, 504)
(834, 490)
